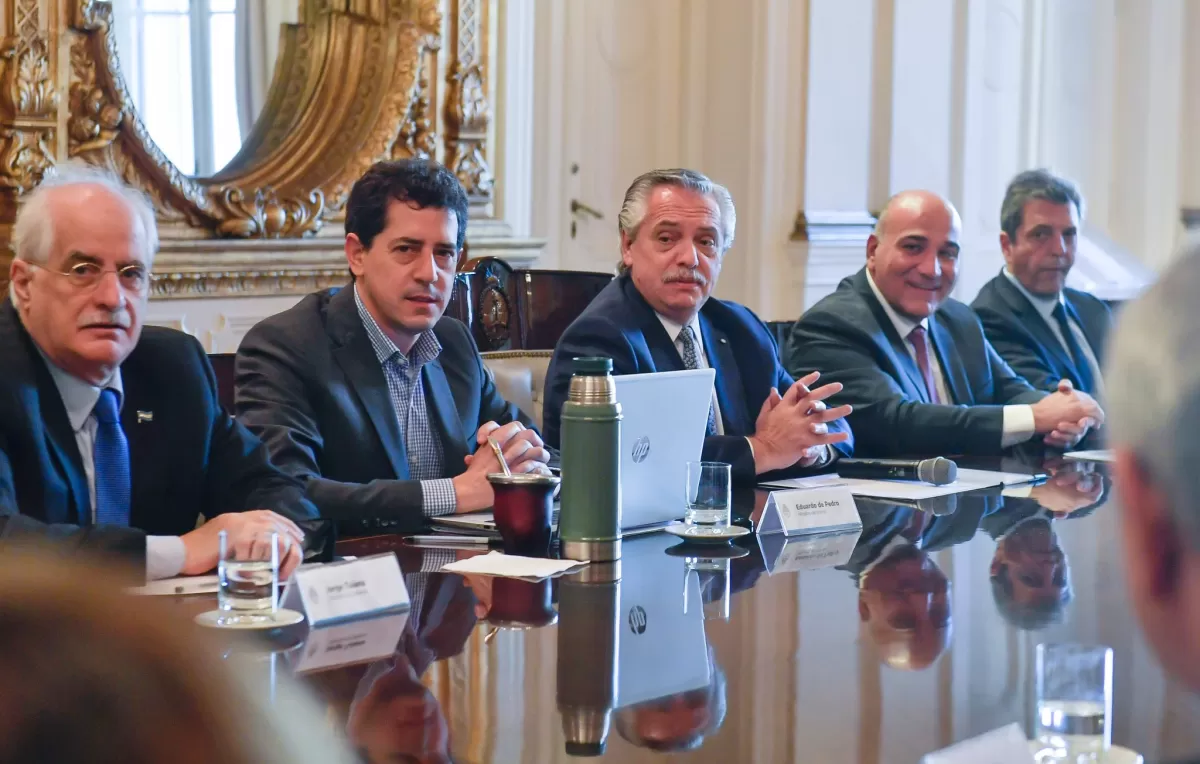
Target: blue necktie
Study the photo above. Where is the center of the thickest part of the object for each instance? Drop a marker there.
(1084, 381)
(110, 461)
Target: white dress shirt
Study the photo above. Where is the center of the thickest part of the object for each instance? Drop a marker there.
(1045, 307)
(1018, 424)
(165, 555)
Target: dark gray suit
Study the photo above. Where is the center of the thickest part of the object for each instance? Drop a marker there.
(1027, 343)
(310, 385)
(849, 338)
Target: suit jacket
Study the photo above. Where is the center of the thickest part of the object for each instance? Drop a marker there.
(621, 325)
(309, 384)
(1026, 342)
(849, 338)
(192, 459)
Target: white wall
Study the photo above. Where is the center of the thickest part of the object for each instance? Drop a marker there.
(829, 106)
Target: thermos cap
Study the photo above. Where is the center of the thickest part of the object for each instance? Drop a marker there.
(591, 365)
(585, 749)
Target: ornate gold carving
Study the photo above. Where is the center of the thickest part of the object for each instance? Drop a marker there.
(467, 112)
(27, 102)
(245, 283)
(265, 215)
(416, 137)
(94, 118)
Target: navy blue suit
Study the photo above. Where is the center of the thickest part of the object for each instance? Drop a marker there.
(1022, 337)
(621, 325)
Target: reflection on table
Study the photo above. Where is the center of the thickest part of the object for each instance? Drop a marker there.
(917, 634)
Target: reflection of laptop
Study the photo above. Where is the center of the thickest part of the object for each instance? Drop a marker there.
(662, 649)
(665, 415)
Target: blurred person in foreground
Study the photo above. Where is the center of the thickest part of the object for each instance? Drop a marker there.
(92, 676)
(679, 722)
(1153, 384)
(111, 434)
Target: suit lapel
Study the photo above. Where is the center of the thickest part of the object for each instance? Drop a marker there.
(1030, 317)
(731, 396)
(955, 374)
(662, 351)
(897, 346)
(60, 441)
(445, 413)
(144, 448)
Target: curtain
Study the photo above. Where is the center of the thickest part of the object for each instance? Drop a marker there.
(257, 44)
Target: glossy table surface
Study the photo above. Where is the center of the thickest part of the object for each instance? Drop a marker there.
(919, 635)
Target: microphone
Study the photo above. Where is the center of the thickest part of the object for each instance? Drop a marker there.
(936, 471)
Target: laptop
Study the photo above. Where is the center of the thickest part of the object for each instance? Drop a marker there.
(664, 416)
(663, 648)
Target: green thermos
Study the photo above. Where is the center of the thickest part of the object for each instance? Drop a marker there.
(589, 519)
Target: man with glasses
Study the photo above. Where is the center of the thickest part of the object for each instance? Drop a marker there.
(111, 436)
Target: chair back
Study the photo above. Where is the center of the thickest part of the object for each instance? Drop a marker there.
(222, 364)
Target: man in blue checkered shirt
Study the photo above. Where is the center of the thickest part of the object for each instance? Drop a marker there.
(366, 392)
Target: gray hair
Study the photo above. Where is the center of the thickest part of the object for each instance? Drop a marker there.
(633, 209)
(33, 231)
(1034, 185)
(1152, 386)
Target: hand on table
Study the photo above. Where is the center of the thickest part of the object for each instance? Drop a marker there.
(794, 427)
(248, 534)
(1066, 415)
(523, 450)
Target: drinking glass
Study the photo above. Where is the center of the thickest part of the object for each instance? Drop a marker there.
(708, 491)
(1074, 702)
(248, 579)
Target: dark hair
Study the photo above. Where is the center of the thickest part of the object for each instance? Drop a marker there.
(1034, 616)
(419, 182)
(1033, 185)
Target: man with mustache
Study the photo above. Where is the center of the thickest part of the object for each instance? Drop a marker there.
(657, 315)
(366, 392)
(914, 364)
(111, 436)
(1045, 331)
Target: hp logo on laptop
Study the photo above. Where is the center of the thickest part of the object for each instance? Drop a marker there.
(637, 619)
(641, 449)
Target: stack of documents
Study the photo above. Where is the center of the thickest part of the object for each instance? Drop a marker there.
(968, 480)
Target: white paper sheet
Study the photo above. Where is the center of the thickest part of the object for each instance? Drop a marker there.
(912, 490)
(1101, 455)
(512, 566)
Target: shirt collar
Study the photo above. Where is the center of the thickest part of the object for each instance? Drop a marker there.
(1044, 305)
(424, 350)
(904, 325)
(80, 397)
(673, 329)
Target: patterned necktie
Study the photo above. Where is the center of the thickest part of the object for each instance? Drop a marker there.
(920, 344)
(1085, 381)
(691, 360)
(110, 462)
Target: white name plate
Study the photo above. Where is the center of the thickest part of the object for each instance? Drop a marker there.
(341, 591)
(1006, 745)
(822, 550)
(809, 510)
(345, 644)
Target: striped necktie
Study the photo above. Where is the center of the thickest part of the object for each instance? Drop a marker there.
(691, 360)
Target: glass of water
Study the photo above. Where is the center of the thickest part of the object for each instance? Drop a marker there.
(249, 580)
(1074, 702)
(709, 486)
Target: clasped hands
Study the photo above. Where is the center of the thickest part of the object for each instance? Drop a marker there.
(523, 450)
(1066, 415)
(793, 428)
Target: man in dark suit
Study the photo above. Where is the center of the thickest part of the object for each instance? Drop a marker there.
(676, 226)
(111, 436)
(366, 393)
(1043, 330)
(914, 363)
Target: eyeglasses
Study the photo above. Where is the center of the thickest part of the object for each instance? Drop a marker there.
(134, 278)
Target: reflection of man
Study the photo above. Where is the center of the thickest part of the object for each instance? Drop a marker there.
(679, 722)
(915, 364)
(394, 716)
(1153, 381)
(657, 315)
(1031, 578)
(903, 596)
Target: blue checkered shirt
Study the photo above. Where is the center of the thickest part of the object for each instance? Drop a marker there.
(403, 375)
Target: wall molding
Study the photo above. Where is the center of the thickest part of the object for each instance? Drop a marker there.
(833, 225)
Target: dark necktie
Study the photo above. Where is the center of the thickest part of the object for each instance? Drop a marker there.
(691, 360)
(1084, 379)
(110, 463)
(920, 343)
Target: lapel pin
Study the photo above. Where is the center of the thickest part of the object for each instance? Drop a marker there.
(145, 416)
(723, 341)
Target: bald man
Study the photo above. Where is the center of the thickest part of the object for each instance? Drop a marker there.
(914, 364)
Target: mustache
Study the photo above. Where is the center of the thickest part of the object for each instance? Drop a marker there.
(119, 318)
(684, 276)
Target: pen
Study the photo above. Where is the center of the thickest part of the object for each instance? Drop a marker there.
(443, 539)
